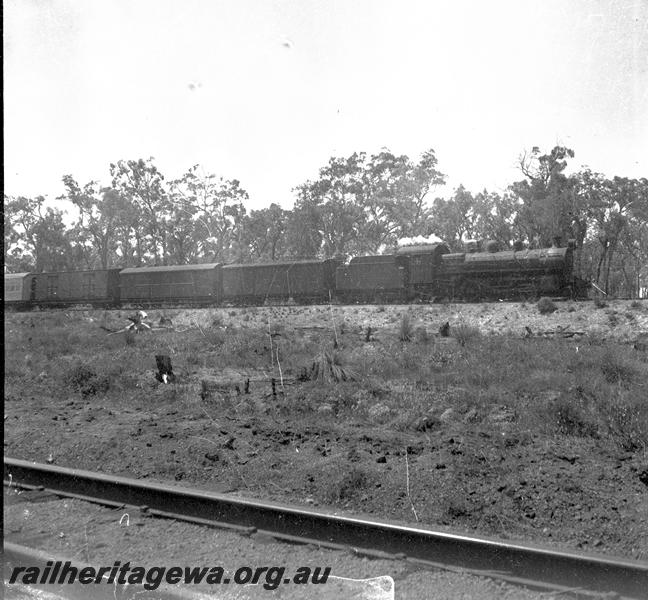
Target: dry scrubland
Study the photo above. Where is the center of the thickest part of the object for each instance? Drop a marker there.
(491, 430)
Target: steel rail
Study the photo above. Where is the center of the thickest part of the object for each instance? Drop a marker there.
(529, 565)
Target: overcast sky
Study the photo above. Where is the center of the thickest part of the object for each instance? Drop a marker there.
(265, 91)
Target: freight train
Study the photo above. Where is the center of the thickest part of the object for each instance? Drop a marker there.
(423, 273)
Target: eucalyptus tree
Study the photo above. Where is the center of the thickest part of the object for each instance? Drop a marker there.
(207, 216)
(362, 202)
(36, 236)
(548, 203)
(264, 232)
(106, 220)
(140, 185)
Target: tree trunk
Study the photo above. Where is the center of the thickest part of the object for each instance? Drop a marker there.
(607, 271)
(138, 246)
(104, 253)
(601, 261)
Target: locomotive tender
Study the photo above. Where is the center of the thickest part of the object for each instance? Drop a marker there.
(427, 273)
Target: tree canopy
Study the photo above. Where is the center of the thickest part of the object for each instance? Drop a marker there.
(359, 204)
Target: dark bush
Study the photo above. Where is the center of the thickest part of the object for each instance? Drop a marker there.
(570, 419)
(615, 370)
(85, 380)
(349, 484)
(421, 335)
(628, 424)
(546, 306)
(130, 338)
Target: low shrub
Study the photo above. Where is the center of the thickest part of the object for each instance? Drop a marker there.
(570, 419)
(215, 337)
(421, 335)
(627, 422)
(546, 306)
(130, 338)
(84, 379)
(615, 370)
(345, 483)
(353, 481)
(245, 347)
(599, 303)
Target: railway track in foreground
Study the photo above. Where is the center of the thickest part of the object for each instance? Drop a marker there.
(532, 566)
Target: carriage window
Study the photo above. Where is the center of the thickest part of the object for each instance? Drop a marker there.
(52, 285)
(88, 284)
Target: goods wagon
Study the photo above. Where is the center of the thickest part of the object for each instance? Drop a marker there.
(199, 284)
(303, 281)
(426, 272)
(507, 274)
(371, 278)
(99, 288)
(17, 289)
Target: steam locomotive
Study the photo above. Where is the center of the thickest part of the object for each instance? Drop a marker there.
(417, 273)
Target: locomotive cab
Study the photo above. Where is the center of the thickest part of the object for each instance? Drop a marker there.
(421, 265)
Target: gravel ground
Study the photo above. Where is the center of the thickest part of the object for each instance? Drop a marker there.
(616, 320)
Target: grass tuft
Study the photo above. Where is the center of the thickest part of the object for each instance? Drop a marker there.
(327, 366)
(465, 333)
(406, 328)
